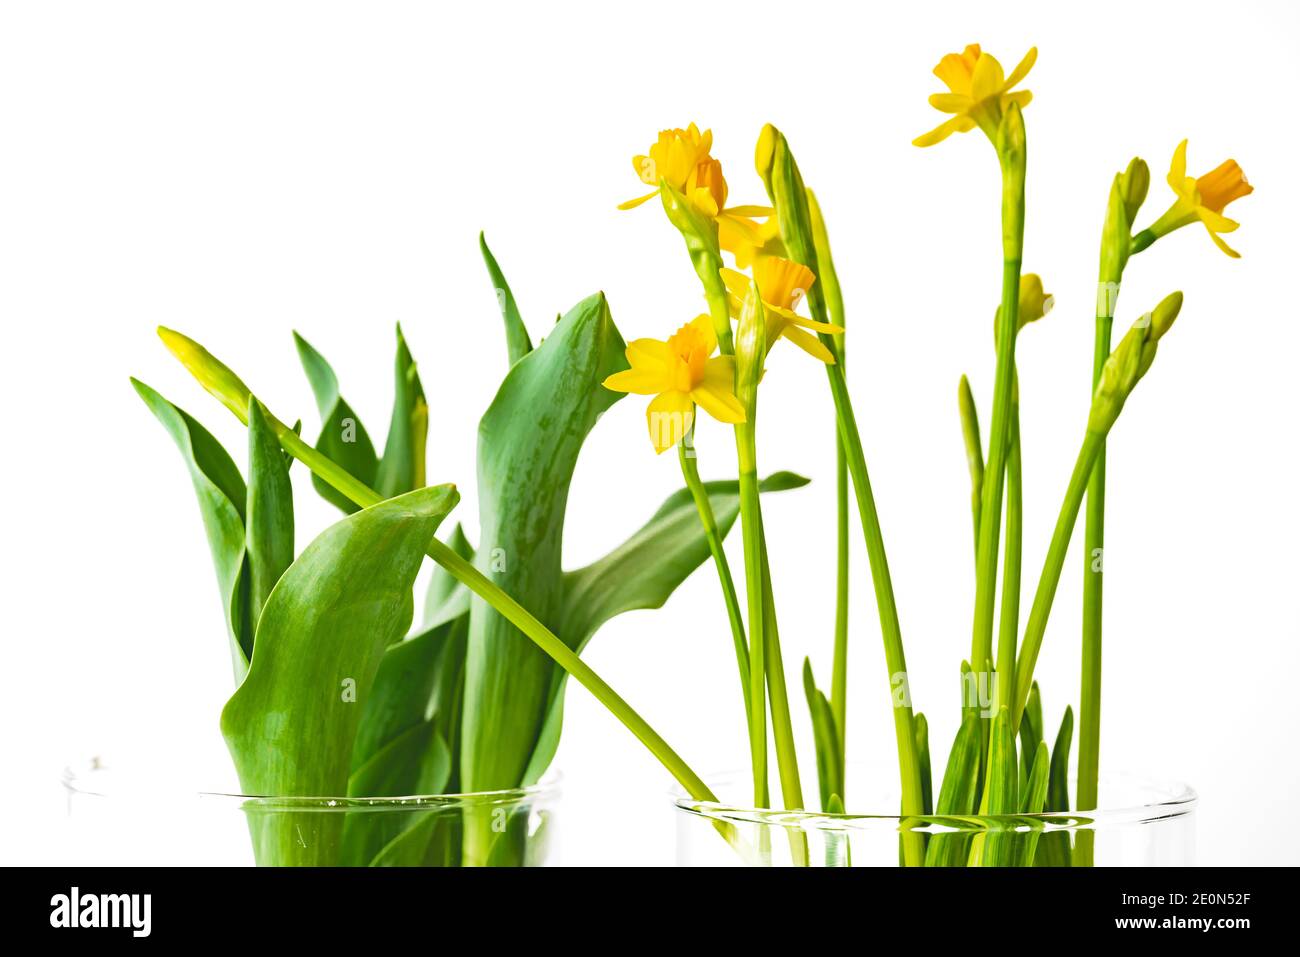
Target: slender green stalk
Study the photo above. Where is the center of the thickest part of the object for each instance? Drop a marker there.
(831, 293)
(1090, 689)
(909, 766)
(691, 472)
(1010, 143)
(787, 759)
(1009, 614)
(1036, 624)
(986, 574)
(751, 531)
(840, 661)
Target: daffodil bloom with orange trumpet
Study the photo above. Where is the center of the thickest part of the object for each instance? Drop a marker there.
(681, 373)
(1201, 198)
(782, 285)
(978, 93)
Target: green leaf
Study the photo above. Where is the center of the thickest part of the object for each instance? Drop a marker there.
(221, 494)
(999, 847)
(290, 726)
(409, 689)
(922, 731)
(518, 344)
(830, 776)
(416, 762)
(269, 511)
(1032, 797)
(639, 574)
(447, 597)
(1054, 849)
(1031, 730)
(529, 440)
(957, 793)
(401, 469)
(343, 439)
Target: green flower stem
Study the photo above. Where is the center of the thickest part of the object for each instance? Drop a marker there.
(1036, 624)
(752, 532)
(1009, 615)
(787, 760)
(840, 661)
(1090, 686)
(909, 766)
(691, 472)
(1141, 241)
(986, 574)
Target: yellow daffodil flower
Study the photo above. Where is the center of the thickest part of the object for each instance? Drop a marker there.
(1203, 198)
(782, 284)
(977, 94)
(682, 159)
(681, 374)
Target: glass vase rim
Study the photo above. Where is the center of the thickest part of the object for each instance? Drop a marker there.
(1178, 800)
(77, 781)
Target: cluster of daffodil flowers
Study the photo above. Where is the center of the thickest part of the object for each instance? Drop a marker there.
(782, 260)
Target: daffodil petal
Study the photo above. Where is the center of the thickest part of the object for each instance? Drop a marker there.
(1178, 168)
(950, 102)
(987, 79)
(809, 344)
(669, 417)
(634, 203)
(1021, 98)
(1215, 222)
(1022, 69)
(637, 381)
(958, 124)
(703, 324)
(715, 393)
(1222, 245)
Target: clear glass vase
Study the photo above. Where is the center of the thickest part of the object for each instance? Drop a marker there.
(115, 819)
(1141, 824)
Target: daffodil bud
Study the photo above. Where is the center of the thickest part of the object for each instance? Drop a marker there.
(1034, 303)
(1130, 362)
(751, 349)
(765, 154)
(212, 374)
(1115, 241)
(1011, 153)
(1134, 183)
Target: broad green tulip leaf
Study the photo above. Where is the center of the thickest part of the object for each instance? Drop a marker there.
(830, 779)
(639, 574)
(957, 793)
(1032, 796)
(402, 467)
(999, 847)
(1054, 848)
(518, 344)
(290, 726)
(415, 763)
(221, 494)
(529, 440)
(432, 838)
(343, 439)
(447, 597)
(269, 510)
(401, 694)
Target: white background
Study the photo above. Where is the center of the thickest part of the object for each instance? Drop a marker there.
(241, 170)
